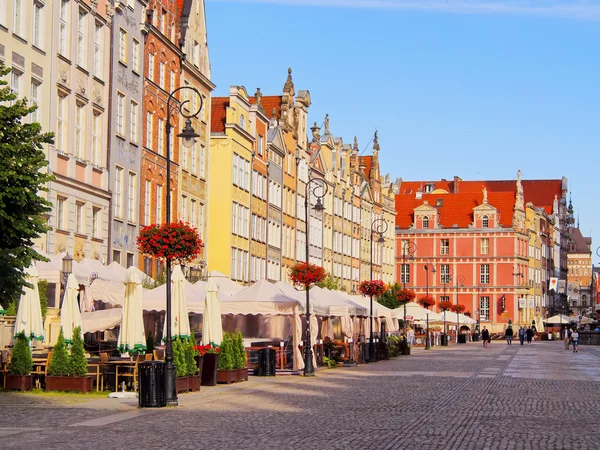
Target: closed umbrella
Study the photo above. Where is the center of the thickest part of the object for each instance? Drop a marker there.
(29, 313)
(70, 314)
(131, 335)
(180, 322)
(212, 328)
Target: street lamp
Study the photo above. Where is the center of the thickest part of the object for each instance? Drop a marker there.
(188, 138)
(480, 289)
(447, 278)
(408, 249)
(379, 226)
(319, 191)
(460, 280)
(67, 267)
(429, 264)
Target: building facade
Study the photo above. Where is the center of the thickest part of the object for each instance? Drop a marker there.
(579, 282)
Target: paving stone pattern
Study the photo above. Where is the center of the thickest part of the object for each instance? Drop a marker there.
(460, 397)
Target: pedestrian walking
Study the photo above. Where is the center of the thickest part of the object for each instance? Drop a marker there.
(567, 338)
(485, 335)
(575, 339)
(529, 335)
(411, 336)
(509, 335)
(521, 335)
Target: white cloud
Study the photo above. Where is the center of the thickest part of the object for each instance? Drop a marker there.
(570, 9)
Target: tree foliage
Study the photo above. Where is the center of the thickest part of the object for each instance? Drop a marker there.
(21, 362)
(226, 359)
(330, 283)
(60, 364)
(78, 365)
(388, 298)
(22, 177)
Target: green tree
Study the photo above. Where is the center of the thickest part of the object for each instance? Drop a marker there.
(226, 361)
(388, 298)
(21, 362)
(23, 175)
(181, 369)
(78, 363)
(330, 283)
(60, 364)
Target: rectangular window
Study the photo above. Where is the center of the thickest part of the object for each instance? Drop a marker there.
(184, 215)
(200, 219)
(445, 247)
(193, 208)
(97, 50)
(34, 100)
(17, 17)
(35, 32)
(79, 131)
(135, 55)
(61, 212)
(260, 145)
(79, 217)
(149, 126)
(202, 174)
(117, 256)
(147, 266)
(15, 83)
(96, 124)
(147, 197)
(161, 75)
(60, 124)
(96, 216)
(194, 159)
(159, 195)
(119, 192)
(122, 45)
(445, 274)
(172, 81)
(484, 308)
(485, 246)
(63, 30)
(131, 197)
(184, 158)
(484, 274)
(120, 114)
(133, 114)
(81, 39)
(129, 260)
(151, 66)
(161, 141)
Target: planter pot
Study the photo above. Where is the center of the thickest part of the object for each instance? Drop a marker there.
(209, 369)
(77, 384)
(227, 376)
(242, 374)
(19, 382)
(194, 383)
(182, 384)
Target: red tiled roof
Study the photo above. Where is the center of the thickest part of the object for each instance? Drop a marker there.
(218, 114)
(456, 209)
(269, 102)
(367, 161)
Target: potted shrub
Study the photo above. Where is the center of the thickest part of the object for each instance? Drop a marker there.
(181, 369)
(226, 373)
(68, 373)
(240, 357)
(19, 372)
(210, 358)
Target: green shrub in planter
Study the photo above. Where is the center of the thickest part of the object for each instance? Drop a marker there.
(239, 351)
(190, 360)
(21, 362)
(179, 358)
(226, 357)
(78, 366)
(60, 362)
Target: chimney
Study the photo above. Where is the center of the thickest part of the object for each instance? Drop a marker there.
(456, 185)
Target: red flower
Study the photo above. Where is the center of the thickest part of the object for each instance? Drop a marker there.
(173, 241)
(426, 302)
(405, 296)
(373, 288)
(445, 305)
(306, 274)
(457, 308)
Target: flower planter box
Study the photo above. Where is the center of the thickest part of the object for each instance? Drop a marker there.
(227, 376)
(194, 383)
(19, 382)
(182, 384)
(77, 384)
(209, 369)
(242, 374)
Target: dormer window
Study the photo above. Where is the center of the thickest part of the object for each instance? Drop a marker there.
(428, 188)
(485, 222)
(425, 222)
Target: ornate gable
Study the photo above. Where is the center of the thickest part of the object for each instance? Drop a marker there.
(485, 215)
(426, 216)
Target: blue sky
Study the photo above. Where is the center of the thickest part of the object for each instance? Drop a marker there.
(472, 88)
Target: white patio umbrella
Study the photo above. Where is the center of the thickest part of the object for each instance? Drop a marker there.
(29, 313)
(212, 328)
(559, 319)
(70, 314)
(131, 334)
(180, 321)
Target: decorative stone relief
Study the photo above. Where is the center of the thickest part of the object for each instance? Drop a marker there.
(110, 12)
(125, 153)
(130, 20)
(18, 59)
(98, 97)
(132, 85)
(94, 4)
(37, 70)
(63, 76)
(1, 50)
(81, 88)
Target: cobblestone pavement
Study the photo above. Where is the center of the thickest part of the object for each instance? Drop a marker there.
(459, 397)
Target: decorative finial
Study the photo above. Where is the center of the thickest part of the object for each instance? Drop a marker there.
(315, 132)
(326, 123)
(485, 200)
(258, 97)
(274, 113)
(355, 143)
(289, 84)
(375, 142)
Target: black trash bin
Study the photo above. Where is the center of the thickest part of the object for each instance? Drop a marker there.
(151, 382)
(266, 366)
(444, 340)
(475, 337)
(462, 338)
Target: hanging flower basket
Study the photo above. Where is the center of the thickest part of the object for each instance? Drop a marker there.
(306, 274)
(445, 305)
(373, 288)
(405, 295)
(176, 241)
(457, 308)
(426, 302)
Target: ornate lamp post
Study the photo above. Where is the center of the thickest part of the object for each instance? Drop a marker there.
(460, 280)
(67, 267)
(408, 249)
(319, 191)
(188, 138)
(429, 267)
(446, 278)
(379, 226)
(480, 289)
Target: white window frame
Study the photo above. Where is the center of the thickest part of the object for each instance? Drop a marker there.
(161, 140)
(63, 36)
(147, 202)
(96, 217)
(122, 45)
(36, 24)
(159, 202)
(35, 87)
(80, 217)
(131, 197)
(97, 49)
(81, 50)
(135, 55)
(79, 130)
(118, 204)
(121, 114)
(133, 115)
(17, 17)
(61, 113)
(149, 127)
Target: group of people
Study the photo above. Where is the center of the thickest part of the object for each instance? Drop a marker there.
(525, 334)
(571, 337)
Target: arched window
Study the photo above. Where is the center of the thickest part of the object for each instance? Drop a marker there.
(484, 222)
(425, 222)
